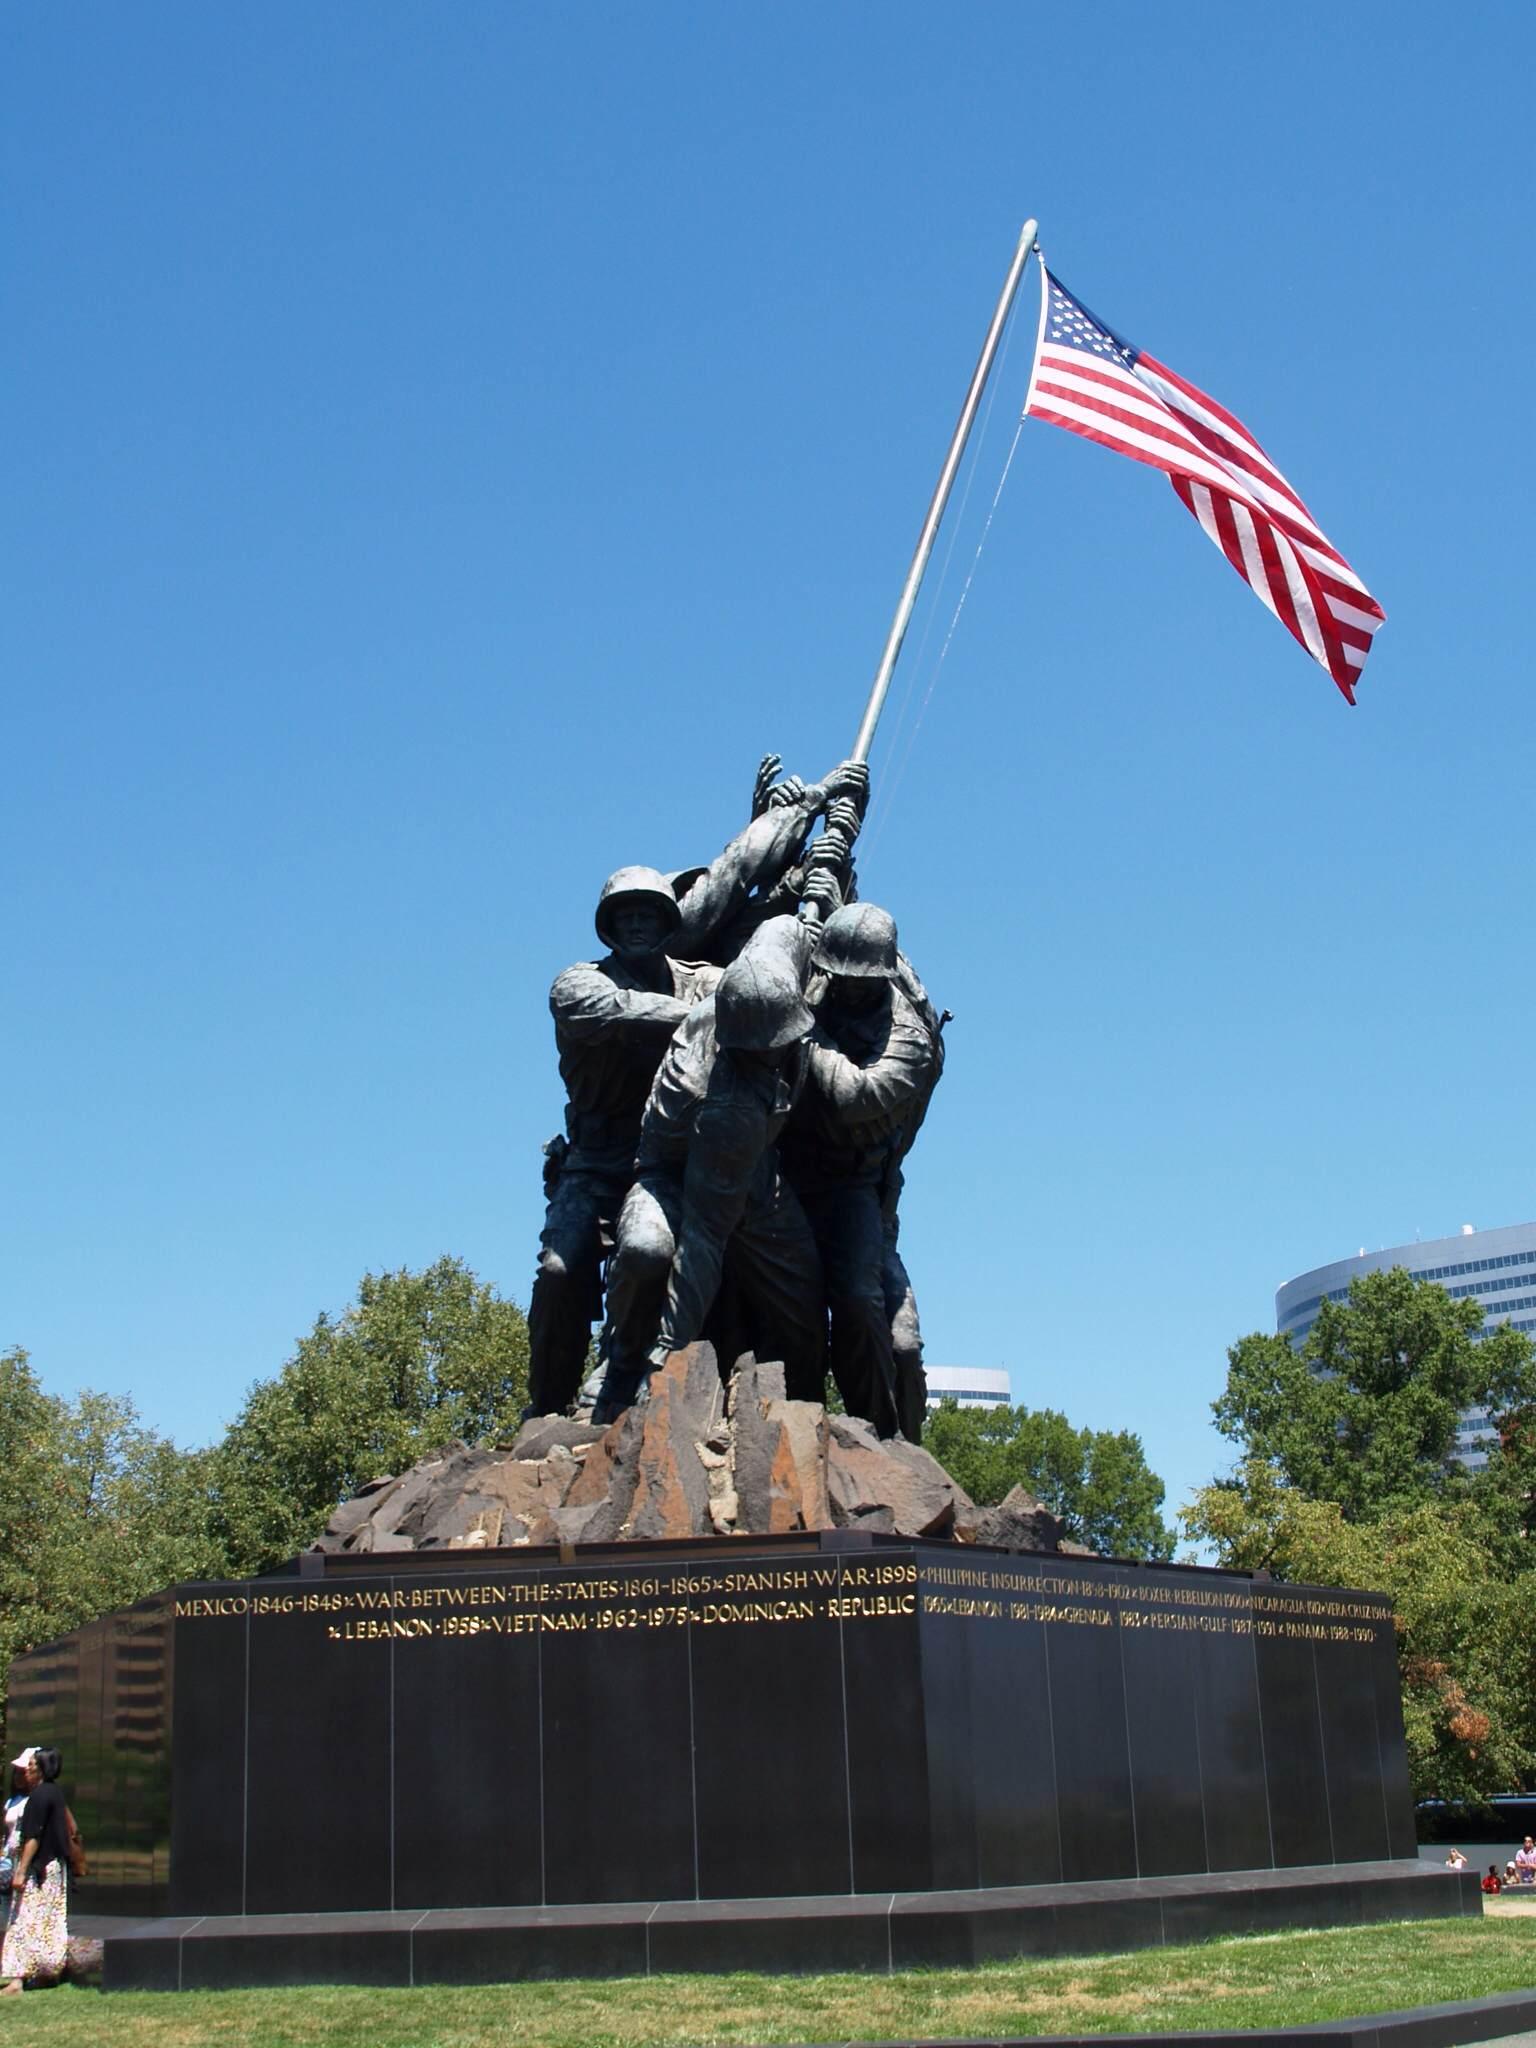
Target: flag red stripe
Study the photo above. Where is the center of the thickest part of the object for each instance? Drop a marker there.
(1351, 593)
(1327, 624)
(1164, 429)
(1239, 458)
(1176, 436)
(1226, 527)
(1351, 636)
(1200, 397)
(1104, 437)
(1279, 584)
(1228, 453)
(1245, 454)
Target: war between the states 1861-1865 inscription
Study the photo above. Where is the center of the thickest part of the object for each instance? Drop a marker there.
(794, 1716)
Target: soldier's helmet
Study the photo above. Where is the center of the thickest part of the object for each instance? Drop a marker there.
(635, 885)
(858, 941)
(759, 1006)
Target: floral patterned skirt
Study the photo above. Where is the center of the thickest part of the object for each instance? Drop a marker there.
(37, 1940)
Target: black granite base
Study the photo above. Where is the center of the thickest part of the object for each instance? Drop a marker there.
(877, 1932)
(814, 1715)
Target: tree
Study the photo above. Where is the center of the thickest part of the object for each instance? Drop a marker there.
(1348, 1479)
(418, 1360)
(1097, 1481)
(95, 1513)
(1364, 1412)
(27, 1505)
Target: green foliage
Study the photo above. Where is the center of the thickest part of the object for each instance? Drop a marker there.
(1096, 1480)
(1348, 1480)
(419, 1359)
(1466, 1643)
(1364, 1412)
(96, 1511)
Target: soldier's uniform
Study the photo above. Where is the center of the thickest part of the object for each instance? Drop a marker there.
(900, 1301)
(612, 1025)
(708, 1196)
(870, 1072)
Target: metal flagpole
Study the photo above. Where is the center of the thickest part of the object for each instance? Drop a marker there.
(929, 534)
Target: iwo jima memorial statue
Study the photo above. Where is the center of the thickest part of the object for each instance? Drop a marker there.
(702, 1676)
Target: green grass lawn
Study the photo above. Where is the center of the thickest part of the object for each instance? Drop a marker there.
(1267, 1980)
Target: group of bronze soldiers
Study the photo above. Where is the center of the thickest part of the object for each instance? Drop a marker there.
(746, 1068)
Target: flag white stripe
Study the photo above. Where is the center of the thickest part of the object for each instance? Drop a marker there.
(1253, 561)
(1347, 615)
(1198, 466)
(1268, 483)
(1301, 599)
(1324, 557)
(1034, 368)
(1151, 409)
(1181, 401)
(1205, 512)
(1133, 397)
(1137, 384)
(1330, 565)
(1066, 360)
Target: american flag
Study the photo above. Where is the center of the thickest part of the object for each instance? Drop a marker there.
(1089, 380)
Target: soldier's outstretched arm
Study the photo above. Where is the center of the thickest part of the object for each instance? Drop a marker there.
(759, 855)
(587, 1005)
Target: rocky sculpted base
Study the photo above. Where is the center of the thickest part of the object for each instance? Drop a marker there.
(694, 1458)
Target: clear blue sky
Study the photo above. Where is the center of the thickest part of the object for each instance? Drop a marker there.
(445, 446)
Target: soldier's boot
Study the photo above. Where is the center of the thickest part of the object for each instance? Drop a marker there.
(620, 1390)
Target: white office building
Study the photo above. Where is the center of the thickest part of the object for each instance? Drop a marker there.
(972, 1386)
(1496, 1268)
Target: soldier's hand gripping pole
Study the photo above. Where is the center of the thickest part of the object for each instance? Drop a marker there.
(829, 863)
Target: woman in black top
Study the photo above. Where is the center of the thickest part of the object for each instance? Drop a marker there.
(36, 1942)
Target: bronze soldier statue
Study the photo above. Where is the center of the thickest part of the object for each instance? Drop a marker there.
(708, 1195)
(613, 1019)
(872, 1064)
